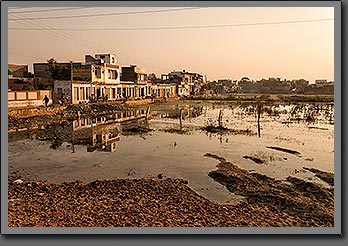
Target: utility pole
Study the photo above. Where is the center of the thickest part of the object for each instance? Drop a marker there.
(71, 78)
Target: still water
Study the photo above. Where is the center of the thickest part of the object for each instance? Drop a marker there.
(125, 145)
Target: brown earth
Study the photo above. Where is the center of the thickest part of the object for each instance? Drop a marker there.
(294, 201)
(168, 202)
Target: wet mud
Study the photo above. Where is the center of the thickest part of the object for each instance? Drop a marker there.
(294, 152)
(325, 176)
(294, 200)
(254, 159)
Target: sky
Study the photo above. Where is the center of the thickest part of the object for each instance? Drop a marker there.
(219, 42)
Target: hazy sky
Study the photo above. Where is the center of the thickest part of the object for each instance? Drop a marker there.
(290, 49)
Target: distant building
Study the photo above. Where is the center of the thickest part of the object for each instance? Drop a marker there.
(136, 80)
(17, 71)
(298, 86)
(19, 78)
(322, 82)
(227, 86)
(321, 86)
(41, 70)
(187, 84)
(265, 86)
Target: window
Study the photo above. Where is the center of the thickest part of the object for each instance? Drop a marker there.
(109, 74)
(97, 73)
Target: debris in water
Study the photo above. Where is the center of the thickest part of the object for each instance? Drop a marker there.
(254, 159)
(319, 128)
(294, 152)
(176, 131)
(215, 157)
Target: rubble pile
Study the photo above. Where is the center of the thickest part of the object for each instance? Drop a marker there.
(168, 203)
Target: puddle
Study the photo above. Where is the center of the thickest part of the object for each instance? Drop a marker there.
(126, 145)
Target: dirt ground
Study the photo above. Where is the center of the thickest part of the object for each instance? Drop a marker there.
(170, 202)
(295, 202)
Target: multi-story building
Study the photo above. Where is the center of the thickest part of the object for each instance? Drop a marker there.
(187, 84)
(135, 82)
(92, 80)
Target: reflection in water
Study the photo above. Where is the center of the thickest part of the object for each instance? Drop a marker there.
(177, 155)
(188, 112)
(97, 134)
(103, 133)
(100, 133)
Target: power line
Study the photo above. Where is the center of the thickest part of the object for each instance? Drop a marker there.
(45, 10)
(26, 55)
(58, 34)
(177, 27)
(81, 42)
(105, 14)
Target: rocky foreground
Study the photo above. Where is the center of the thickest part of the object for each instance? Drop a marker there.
(170, 202)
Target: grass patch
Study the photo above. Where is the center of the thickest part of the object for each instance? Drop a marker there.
(176, 131)
(224, 130)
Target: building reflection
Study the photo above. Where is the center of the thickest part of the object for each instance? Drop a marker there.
(98, 134)
(104, 132)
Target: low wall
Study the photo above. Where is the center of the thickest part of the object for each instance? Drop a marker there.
(28, 98)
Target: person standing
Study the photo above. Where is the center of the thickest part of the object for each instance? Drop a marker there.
(46, 100)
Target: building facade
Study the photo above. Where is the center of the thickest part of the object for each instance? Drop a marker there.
(96, 79)
(187, 84)
(18, 71)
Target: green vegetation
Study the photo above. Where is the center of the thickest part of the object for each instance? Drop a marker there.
(176, 131)
(268, 97)
(57, 72)
(307, 98)
(224, 130)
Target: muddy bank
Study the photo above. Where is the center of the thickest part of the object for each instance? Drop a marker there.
(325, 176)
(37, 117)
(294, 152)
(295, 202)
(170, 202)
